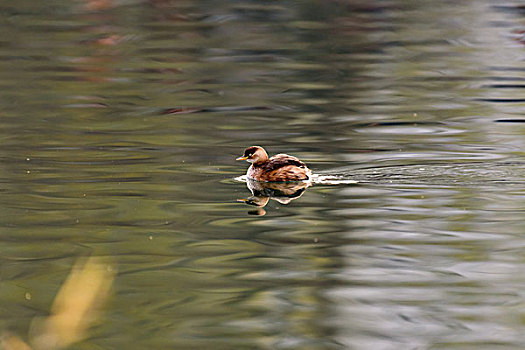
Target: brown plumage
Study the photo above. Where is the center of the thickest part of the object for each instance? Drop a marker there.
(279, 168)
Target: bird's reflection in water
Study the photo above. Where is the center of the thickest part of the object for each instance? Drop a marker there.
(282, 192)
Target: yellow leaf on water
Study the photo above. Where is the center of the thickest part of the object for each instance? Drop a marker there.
(76, 305)
(12, 342)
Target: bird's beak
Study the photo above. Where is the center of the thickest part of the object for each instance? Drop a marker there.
(241, 158)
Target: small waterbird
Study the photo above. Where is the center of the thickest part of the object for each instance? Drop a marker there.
(279, 168)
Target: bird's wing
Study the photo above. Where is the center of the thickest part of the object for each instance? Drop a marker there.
(282, 160)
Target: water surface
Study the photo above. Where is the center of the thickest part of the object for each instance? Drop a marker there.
(121, 122)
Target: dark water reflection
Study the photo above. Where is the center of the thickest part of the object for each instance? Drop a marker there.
(120, 123)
